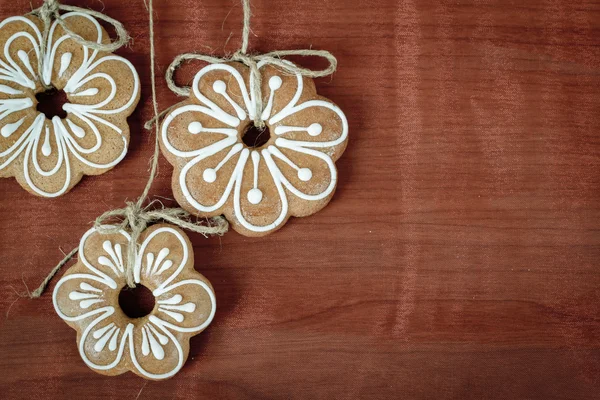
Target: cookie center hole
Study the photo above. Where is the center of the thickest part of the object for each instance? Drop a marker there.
(137, 302)
(254, 137)
(51, 102)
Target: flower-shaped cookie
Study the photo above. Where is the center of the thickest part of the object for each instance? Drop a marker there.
(48, 157)
(154, 346)
(257, 185)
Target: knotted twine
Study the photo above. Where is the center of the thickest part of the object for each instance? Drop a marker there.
(135, 217)
(51, 10)
(252, 60)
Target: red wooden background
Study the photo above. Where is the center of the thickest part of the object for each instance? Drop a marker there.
(458, 258)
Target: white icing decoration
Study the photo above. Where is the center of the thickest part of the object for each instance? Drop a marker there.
(160, 265)
(221, 88)
(304, 174)
(195, 128)
(80, 296)
(209, 175)
(188, 307)
(24, 75)
(231, 139)
(173, 300)
(157, 350)
(314, 129)
(77, 130)
(87, 297)
(145, 343)
(111, 340)
(65, 61)
(24, 57)
(254, 195)
(115, 262)
(8, 90)
(99, 346)
(165, 266)
(100, 332)
(89, 303)
(162, 339)
(274, 84)
(87, 92)
(88, 287)
(9, 106)
(176, 316)
(9, 129)
(46, 148)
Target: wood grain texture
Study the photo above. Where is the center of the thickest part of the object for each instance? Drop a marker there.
(458, 258)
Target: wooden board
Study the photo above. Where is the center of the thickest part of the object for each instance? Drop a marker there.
(458, 258)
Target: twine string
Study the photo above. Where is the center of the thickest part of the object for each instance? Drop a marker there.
(135, 217)
(252, 60)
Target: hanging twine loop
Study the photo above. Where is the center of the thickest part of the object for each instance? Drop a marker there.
(135, 217)
(252, 60)
(50, 10)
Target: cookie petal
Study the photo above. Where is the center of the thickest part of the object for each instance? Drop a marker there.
(316, 124)
(308, 174)
(191, 130)
(79, 295)
(96, 148)
(21, 36)
(187, 306)
(281, 89)
(163, 254)
(103, 341)
(16, 131)
(86, 302)
(105, 255)
(155, 352)
(107, 90)
(46, 165)
(207, 180)
(65, 58)
(260, 203)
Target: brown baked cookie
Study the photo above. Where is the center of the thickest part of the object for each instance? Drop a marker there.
(223, 165)
(49, 156)
(154, 346)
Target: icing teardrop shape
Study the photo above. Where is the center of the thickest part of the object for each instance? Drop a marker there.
(77, 130)
(65, 61)
(87, 92)
(9, 129)
(8, 90)
(46, 149)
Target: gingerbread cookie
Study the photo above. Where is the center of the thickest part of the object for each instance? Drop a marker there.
(49, 156)
(286, 170)
(154, 346)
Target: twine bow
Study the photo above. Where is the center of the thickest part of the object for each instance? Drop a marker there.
(51, 10)
(252, 60)
(135, 218)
